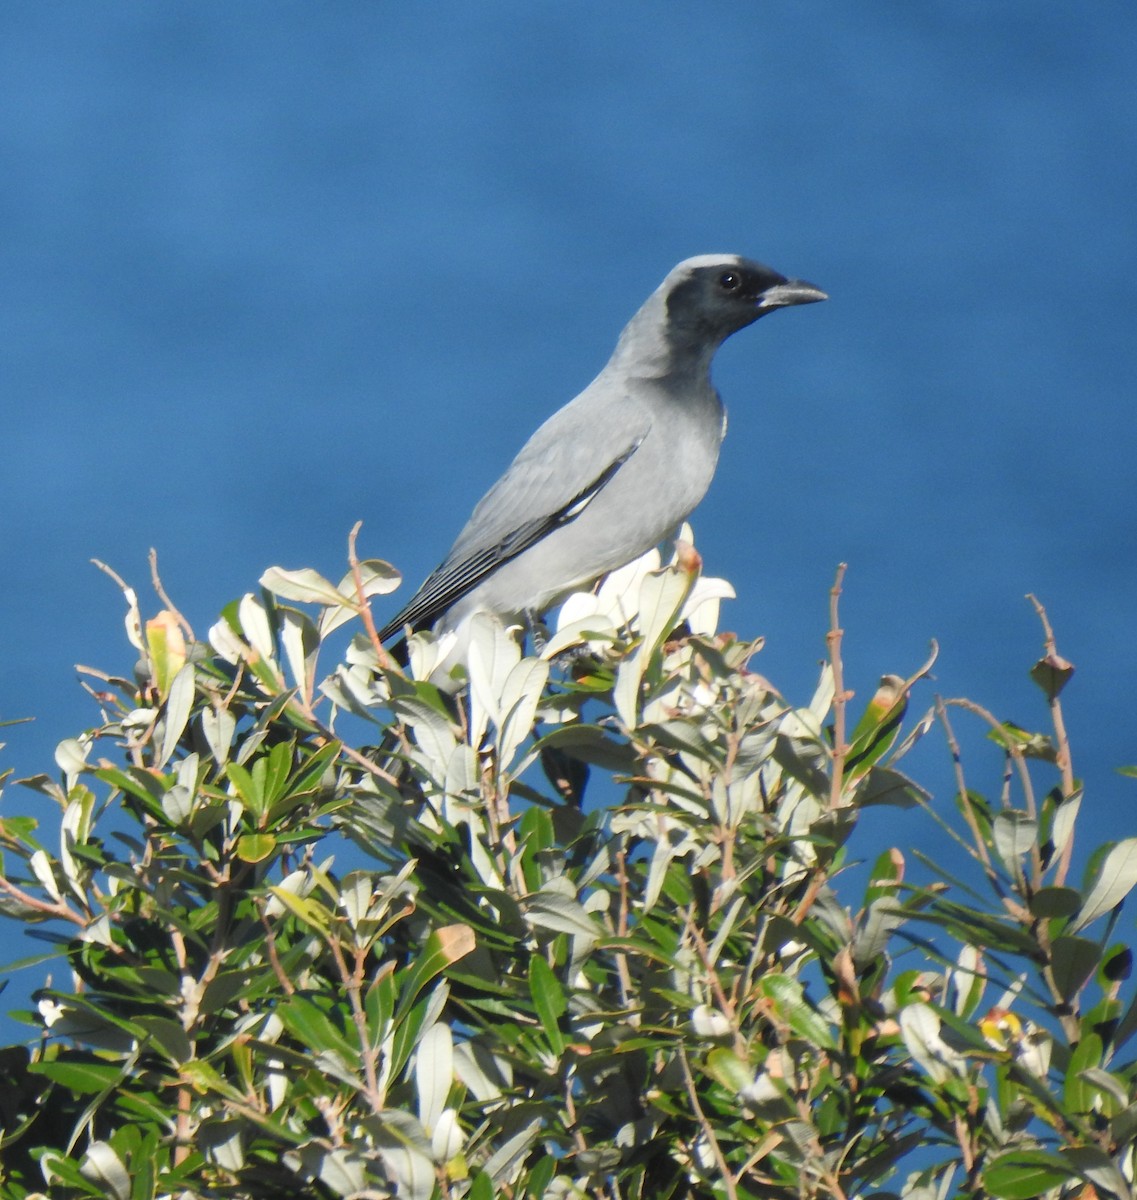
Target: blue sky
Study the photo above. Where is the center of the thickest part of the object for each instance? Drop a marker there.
(273, 268)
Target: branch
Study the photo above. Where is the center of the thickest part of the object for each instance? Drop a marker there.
(385, 660)
(840, 696)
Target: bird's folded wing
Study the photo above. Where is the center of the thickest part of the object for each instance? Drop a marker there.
(550, 483)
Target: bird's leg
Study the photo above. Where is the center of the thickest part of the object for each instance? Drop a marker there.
(536, 630)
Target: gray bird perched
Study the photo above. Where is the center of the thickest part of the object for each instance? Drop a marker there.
(618, 468)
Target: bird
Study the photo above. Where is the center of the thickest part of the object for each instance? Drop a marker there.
(617, 469)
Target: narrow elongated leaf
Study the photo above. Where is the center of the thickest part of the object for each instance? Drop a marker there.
(79, 1077)
(103, 1166)
(434, 1073)
(876, 731)
(167, 649)
(255, 625)
(482, 1187)
(1080, 1095)
(168, 1036)
(661, 596)
(882, 918)
(310, 911)
(300, 641)
(724, 1066)
(443, 947)
(218, 725)
(1025, 1174)
(492, 655)
(308, 1022)
(377, 577)
(561, 914)
(789, 997)
(1062, 823)
(1115, 880)
(305, 585)
(520, 697)
(499, 1166)
(549, 1001)
(1074, 960)
(884, 785)
(179, 705)
(1015, 833)
(1096, 1167)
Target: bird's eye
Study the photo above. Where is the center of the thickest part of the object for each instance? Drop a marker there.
(729, 281)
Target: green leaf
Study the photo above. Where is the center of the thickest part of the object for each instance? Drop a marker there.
(168, 1036)
(304, 585)
(1096, 1167)
(886, 786)
(549, 1001)
(444, 946)
(179, 705)
(308, 910)
(300, 641)
(788, 997)
(538, 1180)
(406, 1154)
(312, 1026)
(1079, 1094)
(548, 909)
(887, 874)
(1113, 1092)
(249, 788)
(877, 730)
(591, 745)
(310, 773)
(101, 1165)
(1050, 902)
(1115, 878)
(661, 596)
(1025, 1174)
(1117, 964)
(1015, 835)
(874, 932)
(1073, 960)
(519, 699)
(81, 1077)
(1029, 745)
(434, 1073)
(482, 1187)
(724, 1066)
(166, 646)
(255, 847)
(378, 578)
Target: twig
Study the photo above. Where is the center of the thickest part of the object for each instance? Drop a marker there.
(156, 582)
(961, 784)
(1061, 738)
(623, 973)
(60, 910)
(1009, 744)
(273, 955)
(840, 697)
(1019, 761)
(385, 660)
(705, 1125)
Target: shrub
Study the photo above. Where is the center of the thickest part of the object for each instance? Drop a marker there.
(581, 930)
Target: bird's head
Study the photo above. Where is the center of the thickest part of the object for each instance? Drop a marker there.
(715, 295)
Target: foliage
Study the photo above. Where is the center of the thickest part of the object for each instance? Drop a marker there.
(595, 939)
